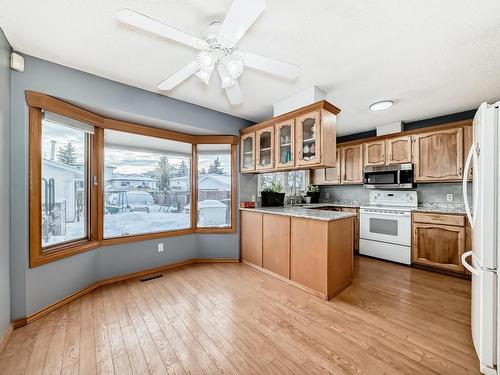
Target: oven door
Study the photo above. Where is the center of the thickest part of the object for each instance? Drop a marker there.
(386, 226)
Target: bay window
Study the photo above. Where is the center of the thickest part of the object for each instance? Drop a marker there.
(147, 184)
(96, 181)
(214, 186)
(65, 179)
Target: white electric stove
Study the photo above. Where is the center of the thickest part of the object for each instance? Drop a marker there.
(385, 225)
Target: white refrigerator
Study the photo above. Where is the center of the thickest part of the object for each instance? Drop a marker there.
(484, 217)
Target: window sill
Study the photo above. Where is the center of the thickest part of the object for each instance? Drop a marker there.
(174, 233)
(62, 251)
(228, 230)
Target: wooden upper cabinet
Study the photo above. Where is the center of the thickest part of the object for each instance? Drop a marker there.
(438, 155)
(352, 164)
(439, 246)
(398, 150)
(247, 152)
(285, 144)
(308, 141)
(375, 153)
(332, 175)
(301, 139)
(264, 148)
(468, 139)
(327, 176)
(317, 176)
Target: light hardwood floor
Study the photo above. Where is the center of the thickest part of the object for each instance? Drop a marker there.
(228, 318)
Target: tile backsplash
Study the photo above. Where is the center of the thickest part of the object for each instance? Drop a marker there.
(427, 193)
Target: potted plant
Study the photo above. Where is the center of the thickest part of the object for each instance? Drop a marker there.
(273, 195)
(313, 192)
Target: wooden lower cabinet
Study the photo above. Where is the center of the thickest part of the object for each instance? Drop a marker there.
(276, 244)
(321, 257)
(314, 255)
(439, 246)
(251, 237)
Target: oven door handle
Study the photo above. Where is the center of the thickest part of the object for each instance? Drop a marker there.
(405, 214)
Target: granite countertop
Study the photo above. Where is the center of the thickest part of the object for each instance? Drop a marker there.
(306, 213)
(310, 211)
(343, 203)
(441, 208)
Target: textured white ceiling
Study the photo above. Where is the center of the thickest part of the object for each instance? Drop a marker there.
(432, 57)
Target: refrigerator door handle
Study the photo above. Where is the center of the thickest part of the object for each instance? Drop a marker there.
(470, 268)
(471, 156)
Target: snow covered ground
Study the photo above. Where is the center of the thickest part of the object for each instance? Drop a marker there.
(74, 231)
(129, 223)
(139, 222)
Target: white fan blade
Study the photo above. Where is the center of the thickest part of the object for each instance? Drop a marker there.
(141, 21)
(234, 94)
(241, 15)
(273, 66)
(179, 76)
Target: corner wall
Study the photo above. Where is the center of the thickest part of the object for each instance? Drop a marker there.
(5, 101)
(35, 288)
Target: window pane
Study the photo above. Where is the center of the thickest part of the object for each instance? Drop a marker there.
(266, 179)
(64, 181)
(296, 182)
(147, 184)
(214, 186)
(293, 182)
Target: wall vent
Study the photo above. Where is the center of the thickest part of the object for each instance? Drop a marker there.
(150, 278)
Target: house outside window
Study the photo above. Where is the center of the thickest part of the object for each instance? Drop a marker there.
(139, 197)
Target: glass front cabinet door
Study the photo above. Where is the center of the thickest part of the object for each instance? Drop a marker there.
(285, 144)
(264, 147)
(308, 139)
(247, 152)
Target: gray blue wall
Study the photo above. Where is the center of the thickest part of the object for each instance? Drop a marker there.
(35, 288)
(4, 184)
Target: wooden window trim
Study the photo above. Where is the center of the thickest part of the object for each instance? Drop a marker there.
(37, 102)
(38, 255)
(234, 196)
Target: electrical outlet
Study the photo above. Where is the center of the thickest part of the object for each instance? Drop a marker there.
(327, 195)
(160, 247)
(449, 197)
(253, 198)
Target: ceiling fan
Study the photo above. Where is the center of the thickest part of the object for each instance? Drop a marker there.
(218, 50)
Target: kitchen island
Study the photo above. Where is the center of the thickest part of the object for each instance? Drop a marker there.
(308, 248)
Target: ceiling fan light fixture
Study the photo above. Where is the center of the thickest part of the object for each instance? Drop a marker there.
(225, 76)
(234, 64)
(217, 48)
(381, 105)
(206, 60)
(204, 76)
(206, 64)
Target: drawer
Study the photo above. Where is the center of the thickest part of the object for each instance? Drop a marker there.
(456, 220)
(349, 209)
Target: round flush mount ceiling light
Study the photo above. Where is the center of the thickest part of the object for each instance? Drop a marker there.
(381, 105)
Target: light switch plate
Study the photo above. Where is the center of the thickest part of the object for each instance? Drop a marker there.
(160, 247)
(449, 197)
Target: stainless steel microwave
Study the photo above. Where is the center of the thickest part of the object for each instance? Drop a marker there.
(397, 176)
